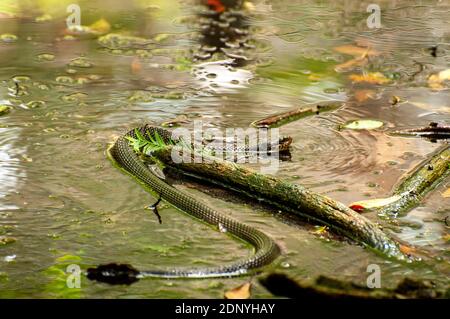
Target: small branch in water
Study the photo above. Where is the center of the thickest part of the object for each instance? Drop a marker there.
(423, 179)
(17, 88)
(433, 132)
(297, 113)
(154, 209)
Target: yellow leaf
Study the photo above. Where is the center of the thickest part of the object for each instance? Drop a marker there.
(241, 292)
(377, 202)
(320, 230)
(373, 78)
(446, 194)
(100, 26)
(364, 125)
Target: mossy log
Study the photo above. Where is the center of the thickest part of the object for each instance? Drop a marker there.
(291, 198)
(329, 288)
(418, 183)
(279, 119)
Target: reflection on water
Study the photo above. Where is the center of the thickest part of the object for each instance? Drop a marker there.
(10, 158)
(63, 201)
(221, 76)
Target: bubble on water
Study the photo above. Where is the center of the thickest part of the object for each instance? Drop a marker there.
(8, 38)
(21, 78)
(43, 87)
(285, 264)
(35, 104)
(94, 77)
(71, 71)
(64, 79)
(83, 80)
(211, 75)
(74, 97)
(46, 57)
(331, 91)
(43, 18)
(80, 63)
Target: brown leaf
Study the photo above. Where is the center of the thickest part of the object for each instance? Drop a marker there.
(350, 64)
(363, 95)
(407, 250)
(356, 51)
(136, 65)
(241, 292)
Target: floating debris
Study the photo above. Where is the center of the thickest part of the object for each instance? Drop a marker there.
(363, 125)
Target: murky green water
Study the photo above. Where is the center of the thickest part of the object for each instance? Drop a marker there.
(64, 203)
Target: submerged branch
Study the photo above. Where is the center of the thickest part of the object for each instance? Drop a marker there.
(418, 183)
(294, 199)
(296, 114)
